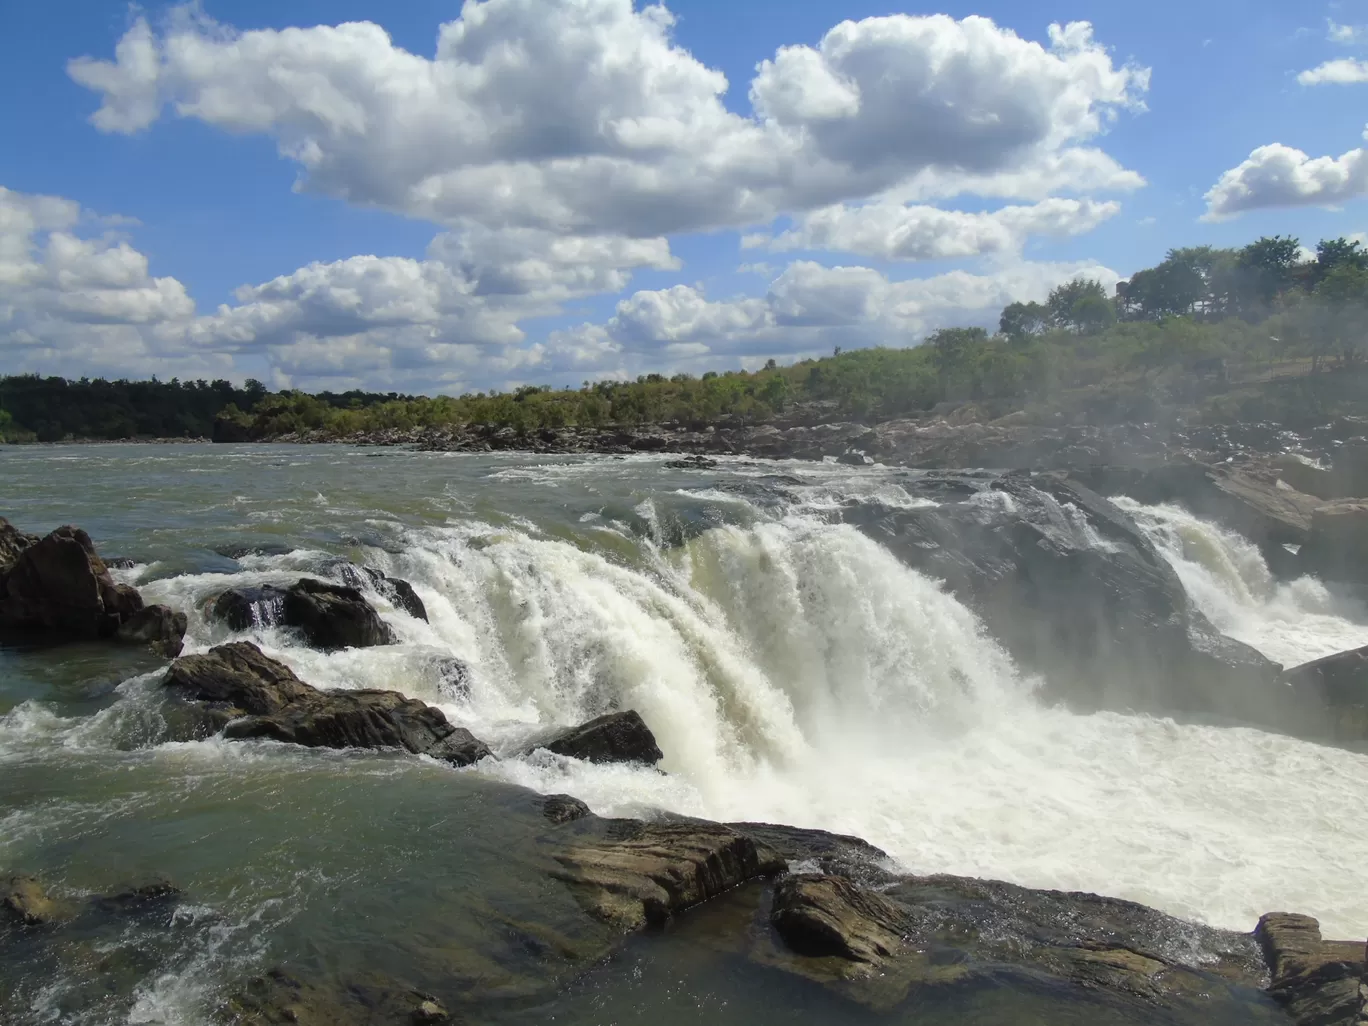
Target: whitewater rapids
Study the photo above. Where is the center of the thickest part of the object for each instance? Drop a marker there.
(794, 671)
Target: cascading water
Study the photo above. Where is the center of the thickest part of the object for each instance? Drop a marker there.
(792, 669)
(1291, 622)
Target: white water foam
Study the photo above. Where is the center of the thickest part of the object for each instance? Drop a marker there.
(1291, 622)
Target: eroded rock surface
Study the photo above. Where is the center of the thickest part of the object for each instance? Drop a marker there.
(1321, 983)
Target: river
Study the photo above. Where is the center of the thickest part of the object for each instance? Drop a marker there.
(792, 670)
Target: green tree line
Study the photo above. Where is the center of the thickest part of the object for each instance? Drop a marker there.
(1198, 320)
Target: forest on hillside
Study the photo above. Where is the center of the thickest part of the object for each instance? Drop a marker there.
(1194, 325)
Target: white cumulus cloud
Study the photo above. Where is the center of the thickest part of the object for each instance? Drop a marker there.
(1281, 176)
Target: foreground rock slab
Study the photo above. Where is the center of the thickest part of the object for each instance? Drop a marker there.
(641, 874)
(252, 696)
(1321, 983)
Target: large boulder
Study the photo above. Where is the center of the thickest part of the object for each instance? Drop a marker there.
(1331, 696)
(1078, 594)
(330, 616)
(399, 592)
(616, 737)
(333, 616)
(253, 696)
(1336, 548)
(58, 587)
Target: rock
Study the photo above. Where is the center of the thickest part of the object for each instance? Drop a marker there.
(59, 586)
(878, 944)
(332, 616)
(1320, 983)
(256, 697)
(1350, 469)
(1332, 695)
(25, 901)
(1305, 477)
(644, 873)
(255, 549)
(157, 627)
(616, 737)
(1078, 594)
(1337, 546)
(563, 808)
(460, 748)
(120, 563)
(823, 916)
(692, 463)
(12, 543)
(854, 458)
(399, 592)
(245, 608)
(279, 998)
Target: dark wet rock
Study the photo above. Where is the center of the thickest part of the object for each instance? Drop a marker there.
(120, 563)
(254, 696)
(1336, 547)
(1332, 694)
(399, 592)
(806, 850)
(333, 616)
(854, 459)
(460, 748)
(23, 900)
(616, 737)
(279, 997)
(155, 900)
(639, 874)
(158, 627)
(254, 549)
(1320, 983)
(1077, 593)
(563, 808)
(245, 608)
(58, 586)
(692, 463)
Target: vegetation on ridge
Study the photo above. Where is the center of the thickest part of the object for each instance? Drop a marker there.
(1173, 333)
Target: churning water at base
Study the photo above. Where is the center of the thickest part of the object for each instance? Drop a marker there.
(792, 669)
(1291, 622)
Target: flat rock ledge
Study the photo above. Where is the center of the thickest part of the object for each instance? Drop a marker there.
(249, 695)
(1320, 983)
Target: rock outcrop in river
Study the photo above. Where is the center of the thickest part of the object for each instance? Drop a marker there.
(251, 696)
(56, 588)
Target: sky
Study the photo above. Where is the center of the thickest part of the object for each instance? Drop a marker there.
(437, 197)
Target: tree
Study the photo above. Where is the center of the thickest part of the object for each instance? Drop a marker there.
(1267, 268)
(1078, 305)
(1019, 321)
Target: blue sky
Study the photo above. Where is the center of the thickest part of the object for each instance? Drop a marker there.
(257, 195)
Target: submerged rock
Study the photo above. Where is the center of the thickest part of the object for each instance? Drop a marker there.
(279, 997)
(564, 808)
(253, 696)
(692, 463)
(25, 901)
(616, 737)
